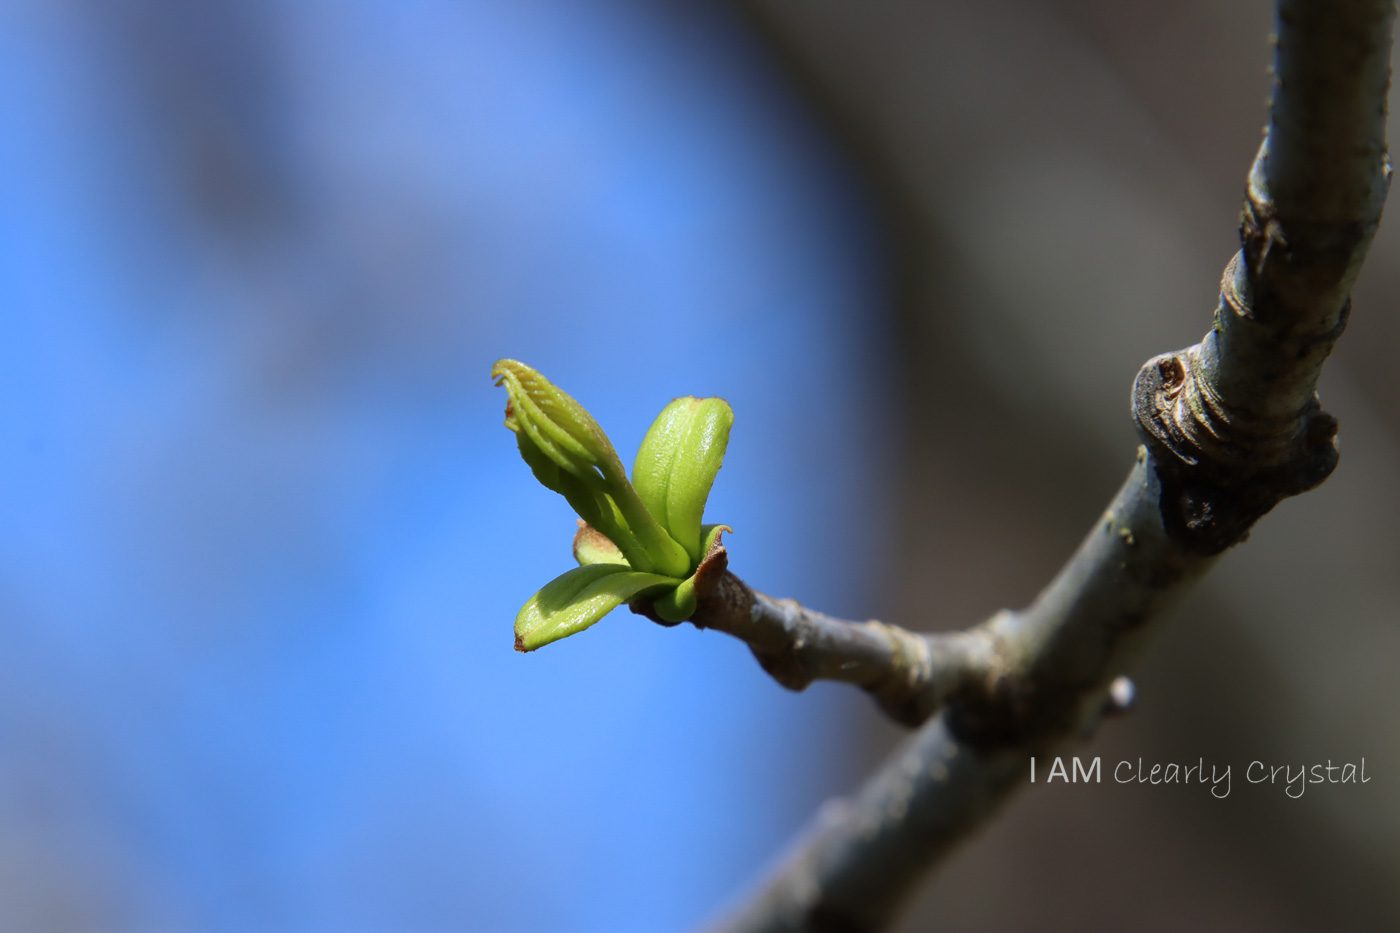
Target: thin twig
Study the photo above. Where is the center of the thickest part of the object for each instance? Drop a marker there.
(910, 675)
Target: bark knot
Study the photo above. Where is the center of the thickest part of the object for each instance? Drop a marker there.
(1223, 466)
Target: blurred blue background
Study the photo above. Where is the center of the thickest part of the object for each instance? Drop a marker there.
(265, 533)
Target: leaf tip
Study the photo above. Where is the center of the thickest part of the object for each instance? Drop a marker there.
(504, 367)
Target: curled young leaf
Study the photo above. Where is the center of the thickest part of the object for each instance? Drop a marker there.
(573, 601)
(676, 465)
(569, 453)
(556, 424)
(595, 506)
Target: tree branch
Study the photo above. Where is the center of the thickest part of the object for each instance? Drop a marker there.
(910, 675)
(1229, 427)
(1234, 421)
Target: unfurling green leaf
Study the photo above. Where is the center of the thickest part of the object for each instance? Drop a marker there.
(677, 463)
(557, 426)
(569, 453)
(572, 602)
(595, 506)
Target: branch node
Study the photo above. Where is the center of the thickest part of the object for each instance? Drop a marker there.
(1222, 465)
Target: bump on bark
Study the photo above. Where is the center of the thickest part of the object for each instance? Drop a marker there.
(1221, 468)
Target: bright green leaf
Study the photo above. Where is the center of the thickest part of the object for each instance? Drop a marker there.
(677, 463)
(573, 601)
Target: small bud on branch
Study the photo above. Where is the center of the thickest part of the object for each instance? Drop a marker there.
(638, 542)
